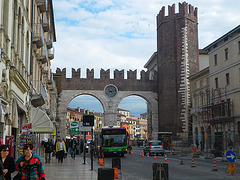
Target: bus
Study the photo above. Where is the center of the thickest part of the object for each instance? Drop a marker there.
(112, 140)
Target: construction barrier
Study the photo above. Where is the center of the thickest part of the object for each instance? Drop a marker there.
(115, 173)
(214, 166)
(231, 168)
(193, 163)
(100, 161)
(155, 156)
(165, 160)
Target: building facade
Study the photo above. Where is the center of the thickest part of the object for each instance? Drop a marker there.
(224, 85)
(25, 66)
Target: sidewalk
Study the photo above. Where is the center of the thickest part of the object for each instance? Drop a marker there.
(70, 169)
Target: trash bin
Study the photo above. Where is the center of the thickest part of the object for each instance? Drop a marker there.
(105, 174)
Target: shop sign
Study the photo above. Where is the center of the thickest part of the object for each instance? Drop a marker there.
(26, 128)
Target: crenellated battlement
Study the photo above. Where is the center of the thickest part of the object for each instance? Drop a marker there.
(91, 83)
(185, 10)
(104, 74)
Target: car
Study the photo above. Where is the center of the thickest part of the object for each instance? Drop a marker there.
(154, 146)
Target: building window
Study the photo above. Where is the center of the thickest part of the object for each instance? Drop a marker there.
(227, 79)
(238, 47)
(200, 83)
(216, 82)
(226, 54)
(215, 60)
(195, 86)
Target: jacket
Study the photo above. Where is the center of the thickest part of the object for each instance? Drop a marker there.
(8, 164)
(31, 169)
(58, 146)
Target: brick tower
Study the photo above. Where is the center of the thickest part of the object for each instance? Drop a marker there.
(177, 47)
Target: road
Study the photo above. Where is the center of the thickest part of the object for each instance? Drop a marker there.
(140, 168)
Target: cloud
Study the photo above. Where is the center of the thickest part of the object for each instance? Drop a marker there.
(113, 34)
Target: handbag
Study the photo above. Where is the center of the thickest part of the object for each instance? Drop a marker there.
(53, 154)
(18, 176)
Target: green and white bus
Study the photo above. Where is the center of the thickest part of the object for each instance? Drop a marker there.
(113, 140)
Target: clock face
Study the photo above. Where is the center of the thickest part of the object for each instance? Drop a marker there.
(110, 91)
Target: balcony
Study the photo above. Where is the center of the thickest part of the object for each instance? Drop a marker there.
(42, 5)
(43, 54)
(38, 35)
(46, 22)
(51, 53)
(38, 94)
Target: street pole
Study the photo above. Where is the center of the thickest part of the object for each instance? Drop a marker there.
(92, 151)
(84, 148)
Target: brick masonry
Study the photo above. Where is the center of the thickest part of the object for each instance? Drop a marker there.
(170, 53)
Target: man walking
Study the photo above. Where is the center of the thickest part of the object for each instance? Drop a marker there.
(73, 148)
(48, 151)
(60, 149)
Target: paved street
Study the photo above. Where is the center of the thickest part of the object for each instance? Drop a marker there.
(140, 168)
(69, 170)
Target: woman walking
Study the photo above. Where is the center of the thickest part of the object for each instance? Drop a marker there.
(30, 165)
(7, 162)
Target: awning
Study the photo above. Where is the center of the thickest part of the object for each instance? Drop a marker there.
(41, 123)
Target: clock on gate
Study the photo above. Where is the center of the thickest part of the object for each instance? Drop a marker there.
(110, 90)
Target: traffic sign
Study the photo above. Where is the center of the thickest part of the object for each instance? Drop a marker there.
(231, 157)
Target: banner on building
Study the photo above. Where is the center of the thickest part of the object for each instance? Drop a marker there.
(26, 128)
(74, 127)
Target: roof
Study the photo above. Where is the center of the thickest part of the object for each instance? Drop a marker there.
(150, 60)
(122, 110)
(223, 37)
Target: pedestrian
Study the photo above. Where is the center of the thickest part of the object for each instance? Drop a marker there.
(60, 149)
(30, 165)
(1, 171)
(73, 148)
(55, 148)
(48, 151)
(7, 162)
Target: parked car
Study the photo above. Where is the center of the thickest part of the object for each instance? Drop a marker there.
(154, 146)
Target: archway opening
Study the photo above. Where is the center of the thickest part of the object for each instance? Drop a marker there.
(132, 113)
(80, 105)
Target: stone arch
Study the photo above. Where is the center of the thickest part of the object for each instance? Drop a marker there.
(109, 105)
(86, 93)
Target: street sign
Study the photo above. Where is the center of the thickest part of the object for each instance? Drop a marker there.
(74, 127)
(84, 128)
(231, 157)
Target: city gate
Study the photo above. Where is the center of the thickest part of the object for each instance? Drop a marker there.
(109, 92)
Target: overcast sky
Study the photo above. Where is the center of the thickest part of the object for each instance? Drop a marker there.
(121, 34)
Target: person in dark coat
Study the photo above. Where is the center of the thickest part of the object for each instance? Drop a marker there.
(48, 151)
(7, 161)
